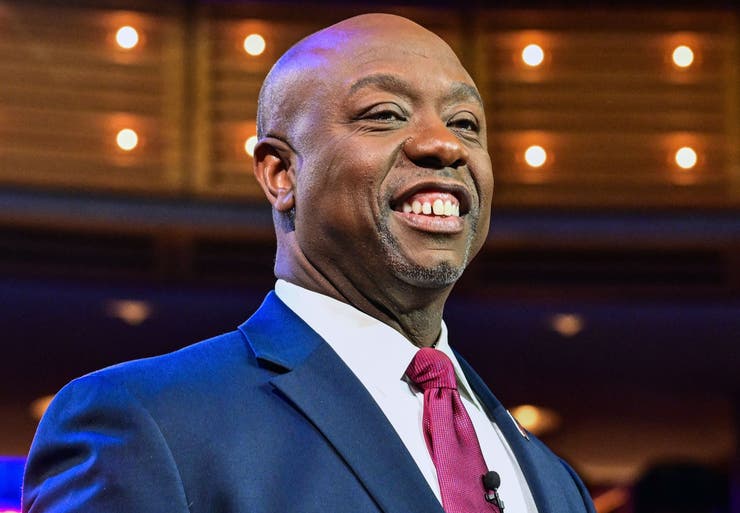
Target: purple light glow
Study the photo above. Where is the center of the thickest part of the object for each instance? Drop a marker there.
(11, 479)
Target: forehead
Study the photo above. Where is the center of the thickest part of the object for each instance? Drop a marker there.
(378, 59)
(451, 91)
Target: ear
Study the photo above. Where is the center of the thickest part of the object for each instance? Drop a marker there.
(273, 171)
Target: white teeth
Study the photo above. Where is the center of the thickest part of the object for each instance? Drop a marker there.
(438, 207)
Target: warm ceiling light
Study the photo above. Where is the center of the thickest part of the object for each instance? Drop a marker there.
(683, 56)
(568, 325)
(129, 311)
(38, 407)
(611, 500)
(686, 157)
(533, 55)
(127, 139)
(127, 37)
(535, 156)
(536, 419)
(254, 44)
(527, 415)
(249, 145)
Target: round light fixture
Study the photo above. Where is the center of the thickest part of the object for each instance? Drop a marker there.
(535, 156)
(536, 419)
(38, 406)
(683, 56)
(686, 157)
(249, 145)
(533, 55)
(567, 324)
(127, 37)
(127, 139)
(132, 312)
(254, 44)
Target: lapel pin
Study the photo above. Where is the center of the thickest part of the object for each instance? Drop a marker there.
(521, 429)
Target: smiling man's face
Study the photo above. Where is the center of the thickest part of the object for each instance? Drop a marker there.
(393, 180)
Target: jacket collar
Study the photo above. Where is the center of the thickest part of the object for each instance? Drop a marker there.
(542, 470)
(327, 393)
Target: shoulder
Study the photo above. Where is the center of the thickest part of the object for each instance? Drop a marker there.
(198, 374)
(204, 358)
(113, 440)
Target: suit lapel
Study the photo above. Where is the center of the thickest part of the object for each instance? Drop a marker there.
(536, 464)
(329, 395)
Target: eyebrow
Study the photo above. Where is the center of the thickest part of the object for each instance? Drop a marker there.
(460, 91)
(383, 81)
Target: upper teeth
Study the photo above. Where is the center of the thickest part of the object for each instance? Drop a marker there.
(438, 207)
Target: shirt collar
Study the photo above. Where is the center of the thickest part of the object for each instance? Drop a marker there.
(376, 353)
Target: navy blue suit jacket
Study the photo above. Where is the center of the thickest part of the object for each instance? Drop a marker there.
(266, 419)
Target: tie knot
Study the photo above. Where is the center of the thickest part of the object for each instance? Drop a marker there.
(431, 369)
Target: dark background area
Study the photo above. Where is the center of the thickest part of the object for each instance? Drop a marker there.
(608, 292)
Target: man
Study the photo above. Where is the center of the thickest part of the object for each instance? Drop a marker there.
(373, 155)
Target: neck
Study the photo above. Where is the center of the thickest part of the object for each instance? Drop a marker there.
(413, 311)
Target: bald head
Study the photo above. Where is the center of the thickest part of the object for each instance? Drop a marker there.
(304, 66)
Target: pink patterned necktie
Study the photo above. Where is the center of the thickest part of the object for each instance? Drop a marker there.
(450, 435)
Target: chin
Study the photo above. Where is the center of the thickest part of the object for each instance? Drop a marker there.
(435, 277)
(431, 270)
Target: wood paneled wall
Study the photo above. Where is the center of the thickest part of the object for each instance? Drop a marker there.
(67, 90)
(607, 104)
(611, 107)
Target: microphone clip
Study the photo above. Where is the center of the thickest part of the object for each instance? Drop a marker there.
(493, 497)
(491, 482)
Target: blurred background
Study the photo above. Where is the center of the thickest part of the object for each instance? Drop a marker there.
(604, 310)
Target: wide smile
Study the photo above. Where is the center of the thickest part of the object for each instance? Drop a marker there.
(433, 206)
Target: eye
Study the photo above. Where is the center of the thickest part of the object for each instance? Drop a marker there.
(465, 122)
(384, 113)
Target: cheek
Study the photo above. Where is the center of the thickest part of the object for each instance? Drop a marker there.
(485, 183)
(485, 173)
(345, 179)
(339, 202)
(355, 177)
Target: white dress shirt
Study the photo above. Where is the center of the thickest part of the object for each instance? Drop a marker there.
(379, 355)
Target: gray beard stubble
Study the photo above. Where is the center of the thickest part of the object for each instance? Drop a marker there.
(440, 275)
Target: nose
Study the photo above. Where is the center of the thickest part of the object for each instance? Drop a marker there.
(435, 146)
